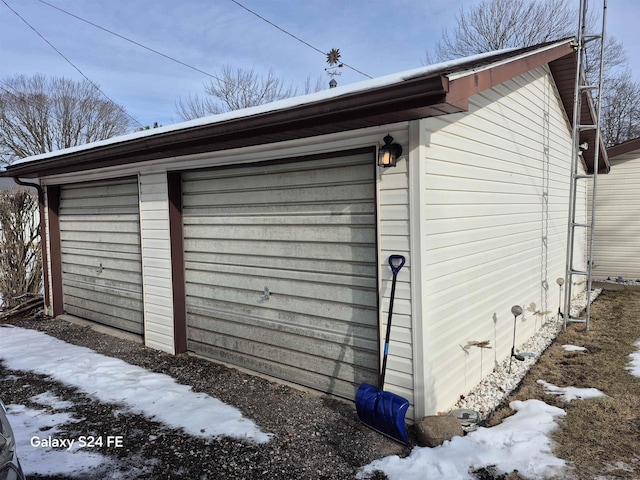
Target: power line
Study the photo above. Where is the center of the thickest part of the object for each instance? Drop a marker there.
(295, 37)
(72, 64)
(132, 41)
(157, 52)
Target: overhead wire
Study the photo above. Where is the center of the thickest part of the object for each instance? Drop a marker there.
(131, 41)
(72, 64)
(294, 36)
(157, 52)
(173, 59)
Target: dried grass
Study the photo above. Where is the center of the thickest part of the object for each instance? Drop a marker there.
(598, 437)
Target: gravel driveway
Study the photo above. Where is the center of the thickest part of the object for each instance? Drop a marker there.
(316, 436)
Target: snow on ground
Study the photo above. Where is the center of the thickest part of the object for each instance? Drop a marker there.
(33, 425)
(521, 442)
(573, 348)
(570, 393)
(111, 380)
(634, 366)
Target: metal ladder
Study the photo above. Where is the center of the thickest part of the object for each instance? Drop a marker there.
(582, 89)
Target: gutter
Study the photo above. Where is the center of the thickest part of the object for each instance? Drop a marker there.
(43, 239)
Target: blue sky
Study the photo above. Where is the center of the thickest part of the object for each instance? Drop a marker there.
(377, 37)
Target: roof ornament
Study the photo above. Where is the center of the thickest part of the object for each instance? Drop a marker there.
(333, 60)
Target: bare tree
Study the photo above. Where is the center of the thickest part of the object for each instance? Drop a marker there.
(620, 109)
(499, 24)
(234, 89)
(21, 259)
(40, 114)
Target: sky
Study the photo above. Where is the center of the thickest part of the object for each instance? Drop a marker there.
(375, 37)
(521, 442)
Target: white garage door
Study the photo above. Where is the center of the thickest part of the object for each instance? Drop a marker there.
(101, 255)
(280, 267)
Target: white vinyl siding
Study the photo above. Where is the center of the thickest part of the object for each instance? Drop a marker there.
(617, 226)
(394, 239)
(101, 259)
(307, 232)
(156, 261)
(495, 191)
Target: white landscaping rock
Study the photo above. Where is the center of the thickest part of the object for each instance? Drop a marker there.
(497, 386)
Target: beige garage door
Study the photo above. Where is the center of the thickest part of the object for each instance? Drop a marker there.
(101, 255)
(280, 267)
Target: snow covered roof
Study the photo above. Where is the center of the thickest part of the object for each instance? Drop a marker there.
(423, 92)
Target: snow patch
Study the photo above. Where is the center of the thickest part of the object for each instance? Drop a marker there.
(28, 423)
(111, 380)
(634, 365)
(570, 393)
(573, 348)
(521, 442)
(52, 400)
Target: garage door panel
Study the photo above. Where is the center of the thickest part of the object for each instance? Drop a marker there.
(126, 224)
(112, 265)
(238, 299)
(277, 271)
(344, 368)
(108, 278)
(101, 253)
(297, 338)
(293, 232)
(333, 219)
(318, 381)
(113, 248)
(221, 261)
(336, 254)
(238, 212)
(291, 196)
(305, 284)
(103, 238)
(96, 311)
(307, 232)
(343, 170)
(125, 310)
(357, 325)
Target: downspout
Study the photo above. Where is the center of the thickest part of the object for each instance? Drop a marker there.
(48, 309)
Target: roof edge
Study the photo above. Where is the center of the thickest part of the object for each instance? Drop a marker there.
(624, 147)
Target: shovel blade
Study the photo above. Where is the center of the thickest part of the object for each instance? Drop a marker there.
(383, 411)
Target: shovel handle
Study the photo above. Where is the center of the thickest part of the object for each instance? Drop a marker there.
(393, 259)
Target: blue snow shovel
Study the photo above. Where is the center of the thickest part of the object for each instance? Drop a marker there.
(377, 409)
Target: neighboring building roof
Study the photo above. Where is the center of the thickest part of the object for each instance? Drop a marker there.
(424, 92)
(623, 148)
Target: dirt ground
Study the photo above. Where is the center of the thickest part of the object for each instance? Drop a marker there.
(318, 437)
(599, 438)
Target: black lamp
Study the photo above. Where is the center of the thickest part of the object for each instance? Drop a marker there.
(389, 152)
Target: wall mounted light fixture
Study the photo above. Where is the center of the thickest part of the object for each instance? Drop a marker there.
(389, 152)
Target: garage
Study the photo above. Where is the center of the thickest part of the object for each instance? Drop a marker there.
(101, 254)
(280, 269)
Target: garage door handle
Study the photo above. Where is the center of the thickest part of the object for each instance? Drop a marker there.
(266, 295)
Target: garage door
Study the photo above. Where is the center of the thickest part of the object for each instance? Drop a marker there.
(280, 269)
(101, 256)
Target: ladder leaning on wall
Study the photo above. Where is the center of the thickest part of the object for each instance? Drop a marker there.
(581, 91)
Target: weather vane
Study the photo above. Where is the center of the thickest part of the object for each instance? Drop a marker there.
(333, 59)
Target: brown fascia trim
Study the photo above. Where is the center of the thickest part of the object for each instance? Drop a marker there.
(623, 148)
(407, 100)
(460, 89)
(563, 55)
(413, 98)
